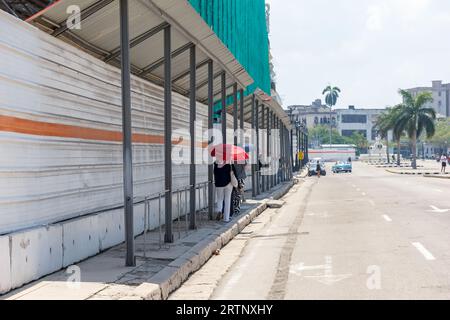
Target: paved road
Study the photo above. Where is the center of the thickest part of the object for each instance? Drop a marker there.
(366, 235)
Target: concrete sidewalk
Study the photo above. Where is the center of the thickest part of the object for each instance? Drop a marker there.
(159, 270)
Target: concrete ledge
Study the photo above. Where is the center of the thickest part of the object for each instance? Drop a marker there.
(35, 253)
(5, 268)
(171, 278)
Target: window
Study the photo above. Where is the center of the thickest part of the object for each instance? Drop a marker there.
(354, 118)
(349, 133)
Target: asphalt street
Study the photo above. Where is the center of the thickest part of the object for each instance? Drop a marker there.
(366, 235)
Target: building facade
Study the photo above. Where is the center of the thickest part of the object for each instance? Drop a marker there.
(313, 115)
(441, 97)
(362, 121)
(346, 121)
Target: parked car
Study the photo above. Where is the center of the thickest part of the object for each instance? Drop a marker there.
(312, 166)
(342, 167)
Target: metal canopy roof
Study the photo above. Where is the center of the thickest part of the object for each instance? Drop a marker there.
(268, 102)
(100, 36)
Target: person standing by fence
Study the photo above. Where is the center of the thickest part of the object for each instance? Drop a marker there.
(224, 188)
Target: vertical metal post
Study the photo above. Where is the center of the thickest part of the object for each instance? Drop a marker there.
(307, 146)
(263, 119)
(210, 128)
(168, 237)
(241, 118)
(268, 147)
(224, 107)
(292, 159)
(258, 172)
(281, 148)
(300, 148)
(127, 134)
(274, 149)
(255, 159)
(287, 154)
(281, 131)
(235, 113)
(192, 119)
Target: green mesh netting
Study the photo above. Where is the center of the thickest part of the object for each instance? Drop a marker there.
(241, 25)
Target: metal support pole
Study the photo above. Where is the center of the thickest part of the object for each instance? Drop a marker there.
(307, 147)
(268, 147)
(280, 152)
(292, 159)
(235, 113)
(300, 162)
(263, 125)
(210, 128)
(258, 173)
(224, 107)
(168, 237)
(297, 150)
(241, 118)
(274, 150)
(192, 119)
(255, 159)
(283, 152)
(286, 153)
(127, 134)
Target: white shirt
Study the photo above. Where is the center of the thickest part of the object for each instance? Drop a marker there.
(444, 158)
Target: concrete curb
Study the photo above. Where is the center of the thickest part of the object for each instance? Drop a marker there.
(415, 173)
(437, 176)
(172, 277)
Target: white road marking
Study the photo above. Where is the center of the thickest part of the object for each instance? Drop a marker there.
(438, 190)
(358, 189)
(437, 210)
(427, 254)
(387, 218)
(364, 194)
(327, 278)
(371, 202)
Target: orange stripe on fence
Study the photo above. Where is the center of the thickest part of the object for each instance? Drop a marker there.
(39, 128)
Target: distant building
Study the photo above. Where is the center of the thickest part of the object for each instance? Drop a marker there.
(313, 115)
(353, 120)
(441, 97)
(346, 121)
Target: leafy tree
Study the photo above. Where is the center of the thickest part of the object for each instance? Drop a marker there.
(416, 118)
(442, 135)
(331, 97)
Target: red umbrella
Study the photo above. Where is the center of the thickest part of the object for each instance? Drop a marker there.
(228, 152)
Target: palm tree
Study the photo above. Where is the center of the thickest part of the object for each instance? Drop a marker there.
(384, 124)
(415, 118)
(331, 96)
(398, 130)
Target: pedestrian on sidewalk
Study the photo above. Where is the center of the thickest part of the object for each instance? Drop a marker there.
(224, 188)
(238, 192)
(443, 163)
(318, 169)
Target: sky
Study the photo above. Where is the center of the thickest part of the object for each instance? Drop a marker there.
(368, 48)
